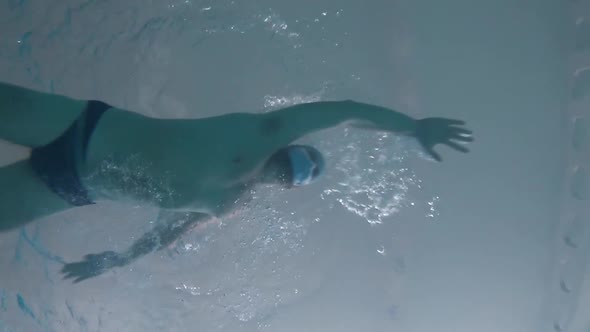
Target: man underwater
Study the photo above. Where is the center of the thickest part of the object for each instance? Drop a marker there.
(192, 169)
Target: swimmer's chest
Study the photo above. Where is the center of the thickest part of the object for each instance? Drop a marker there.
(213, 162)
(224, 150)
(203, 162)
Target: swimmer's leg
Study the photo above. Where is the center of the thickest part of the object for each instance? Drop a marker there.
(24, 197)
(33, 118)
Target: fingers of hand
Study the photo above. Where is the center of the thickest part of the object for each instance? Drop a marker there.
(448, 132)
(461, 137)
(456, 146)
(76, 271)
(69, 270)
(449, 122)
(460, 131)
(82, 270)
(459, 134)
(433, 154)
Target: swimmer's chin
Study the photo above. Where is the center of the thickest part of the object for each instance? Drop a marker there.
(276, 172)
(275, 179)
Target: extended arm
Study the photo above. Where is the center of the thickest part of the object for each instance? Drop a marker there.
(292, 123)
(302, 119)
(170, 227)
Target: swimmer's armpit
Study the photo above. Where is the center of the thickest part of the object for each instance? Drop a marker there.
(271, 125)
(170, 226)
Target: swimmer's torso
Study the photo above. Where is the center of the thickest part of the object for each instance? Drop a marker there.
(198, 165)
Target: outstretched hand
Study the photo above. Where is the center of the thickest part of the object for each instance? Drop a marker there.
(91, 266)
(433, 131)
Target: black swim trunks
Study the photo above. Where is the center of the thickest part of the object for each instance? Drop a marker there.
(57, 162)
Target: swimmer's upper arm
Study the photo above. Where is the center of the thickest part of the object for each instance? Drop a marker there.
(291, 123)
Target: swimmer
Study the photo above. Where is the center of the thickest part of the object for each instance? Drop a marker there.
(193, 170)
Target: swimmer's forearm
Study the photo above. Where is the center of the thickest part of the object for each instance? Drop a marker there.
(148, 243)
(162, 235)
(172, 227)
(303, 119)
(381, 118)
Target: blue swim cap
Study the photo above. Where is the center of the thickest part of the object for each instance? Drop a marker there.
(307, 164)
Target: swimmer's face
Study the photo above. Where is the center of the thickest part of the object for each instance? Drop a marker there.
(296, 165)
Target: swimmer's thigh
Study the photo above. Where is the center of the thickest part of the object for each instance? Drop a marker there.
(32, 118)
(24, 197)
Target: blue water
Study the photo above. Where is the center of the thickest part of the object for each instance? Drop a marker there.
(490, 241)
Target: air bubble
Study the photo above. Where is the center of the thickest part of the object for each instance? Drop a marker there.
(564, 287)
(574, 233)
(579, 184)
(581, 84)
(580, 135)
(582, 35)
(570, 242)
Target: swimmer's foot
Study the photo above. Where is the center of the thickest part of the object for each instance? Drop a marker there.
(91, 266)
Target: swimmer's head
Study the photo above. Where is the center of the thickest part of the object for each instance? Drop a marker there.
(295, 165)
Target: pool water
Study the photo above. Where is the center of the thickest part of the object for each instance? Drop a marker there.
(495, 240)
